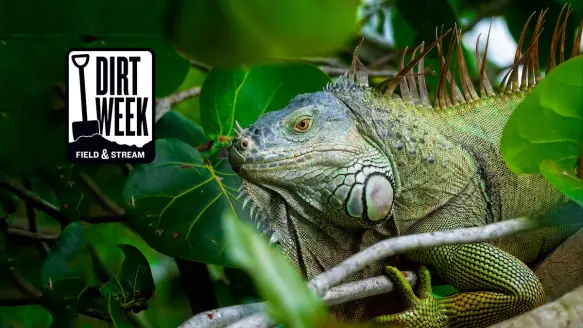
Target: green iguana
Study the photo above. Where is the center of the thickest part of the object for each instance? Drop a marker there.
(338, 170)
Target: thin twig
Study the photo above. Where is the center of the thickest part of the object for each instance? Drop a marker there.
(31, 216)
(25, 286)
(30, 234)
(580, 167)
(205, 146)
(164, 105)
(200, 66)
(100, 196)
(39, 203)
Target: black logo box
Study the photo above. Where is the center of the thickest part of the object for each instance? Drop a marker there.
(98, 143)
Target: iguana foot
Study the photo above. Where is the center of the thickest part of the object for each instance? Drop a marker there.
(422, 311)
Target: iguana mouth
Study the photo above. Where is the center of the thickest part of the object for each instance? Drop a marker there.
(283, 159)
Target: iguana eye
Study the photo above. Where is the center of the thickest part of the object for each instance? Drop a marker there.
(302, 125)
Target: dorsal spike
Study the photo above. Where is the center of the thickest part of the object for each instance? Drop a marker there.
(577, 44)
(534, 62)
(441, 99)
(513, 79)
(485, 85)
(388, 86)
(411, 80)
(357, 73)
(421, 78)
(563, 32)
(405, 92)
(551, 61)
(465, 79)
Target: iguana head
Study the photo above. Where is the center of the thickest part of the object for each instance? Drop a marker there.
(314, 179)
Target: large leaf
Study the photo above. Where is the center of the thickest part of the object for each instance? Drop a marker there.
(547, 124)
(243, 94)
(175, 125)
(226, 32)
(133, 286)
(65, 287)
(562, 179)
(292, 302)
(191, 107)
(176, 202)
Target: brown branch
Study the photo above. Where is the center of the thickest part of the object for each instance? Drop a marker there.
(39, 203)
(200, 66)
(25, 286)
(100, 196)
(30, 234)
(164, 105)
(31, 216)
(580, 167)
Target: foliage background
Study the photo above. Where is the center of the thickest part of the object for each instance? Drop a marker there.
(249, 57)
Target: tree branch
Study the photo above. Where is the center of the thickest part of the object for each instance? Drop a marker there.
(257, 320)
(398, 245)
(164, 105)
(36, 201)
(32, 227)
(30, 234)
(336, 295)
(102, 199)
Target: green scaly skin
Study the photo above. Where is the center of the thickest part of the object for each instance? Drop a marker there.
(370, 167)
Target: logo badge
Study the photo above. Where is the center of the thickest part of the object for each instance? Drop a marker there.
(110, 103)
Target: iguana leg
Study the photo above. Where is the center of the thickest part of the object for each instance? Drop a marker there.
(494, 284)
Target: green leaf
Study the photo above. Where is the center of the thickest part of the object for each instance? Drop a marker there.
(64, 286)
(434, 14)
(402, 32)
(244, 94)
(547, 124)
(117, 316)
(175, 203)
(3, 251)
(133, 286)
(564, 180)
(175, 125)
(292, 302)
(191, 107)
(226, 32)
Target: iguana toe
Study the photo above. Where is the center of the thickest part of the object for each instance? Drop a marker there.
(422, 311)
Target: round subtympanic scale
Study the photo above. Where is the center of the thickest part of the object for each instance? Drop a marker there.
(354, 204)
(378, 197)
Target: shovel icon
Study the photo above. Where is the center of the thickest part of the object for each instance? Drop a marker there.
(85, 127)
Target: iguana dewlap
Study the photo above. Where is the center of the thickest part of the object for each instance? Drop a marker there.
(338, 170)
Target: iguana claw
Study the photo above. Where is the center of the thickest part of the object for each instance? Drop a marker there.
(422, 311)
